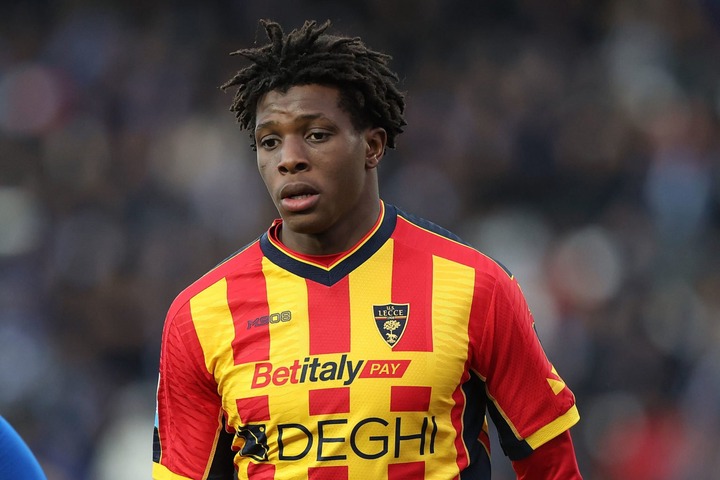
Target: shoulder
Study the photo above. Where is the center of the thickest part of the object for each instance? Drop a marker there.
(247, 257)
(425, 235)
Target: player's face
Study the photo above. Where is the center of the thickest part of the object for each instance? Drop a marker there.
(319, 169)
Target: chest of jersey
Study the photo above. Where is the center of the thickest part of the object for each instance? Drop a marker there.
(369, 368)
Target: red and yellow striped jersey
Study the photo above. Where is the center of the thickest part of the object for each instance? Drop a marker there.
(380, 363)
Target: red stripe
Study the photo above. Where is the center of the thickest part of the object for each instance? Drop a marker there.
(183, 399)
(214, 275)
(409, 399)
(329, 314)
(328, 473)
(327, 401)
(253, 409)
(247, 299)
(424, 240)
(412, 283)
(261, 471)
(404, 471)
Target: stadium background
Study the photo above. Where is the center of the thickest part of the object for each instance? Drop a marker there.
(577, 142)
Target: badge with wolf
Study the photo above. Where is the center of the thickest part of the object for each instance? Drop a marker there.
(256, 446)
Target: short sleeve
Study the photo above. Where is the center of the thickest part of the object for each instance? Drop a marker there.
(528, 401)
(190, 440)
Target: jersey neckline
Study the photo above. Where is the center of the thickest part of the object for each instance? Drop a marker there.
(304, 266)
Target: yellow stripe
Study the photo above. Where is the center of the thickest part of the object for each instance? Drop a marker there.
(213, 323)
(160, 472)
(554, 428)
(557, 385)
(214, 326)
(546, 433)
(289, 341)
(453, 285)
(370, 285)
(286, 291)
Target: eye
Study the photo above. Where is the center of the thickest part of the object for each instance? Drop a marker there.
(268, 143)
(318, 136)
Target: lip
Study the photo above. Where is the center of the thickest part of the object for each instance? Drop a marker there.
(298, 197)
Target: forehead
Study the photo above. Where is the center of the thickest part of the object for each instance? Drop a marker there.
(299, 101)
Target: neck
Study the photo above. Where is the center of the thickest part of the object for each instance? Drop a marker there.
(339, 239)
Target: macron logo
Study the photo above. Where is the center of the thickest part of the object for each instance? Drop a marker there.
(311, 369)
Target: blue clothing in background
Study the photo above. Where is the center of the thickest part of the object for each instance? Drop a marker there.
(16, 459)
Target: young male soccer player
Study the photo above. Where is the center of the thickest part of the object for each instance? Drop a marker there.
(351, 340)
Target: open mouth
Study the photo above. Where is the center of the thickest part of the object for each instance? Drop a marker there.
(298, 197)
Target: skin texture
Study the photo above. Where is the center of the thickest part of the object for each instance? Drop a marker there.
(320, 171)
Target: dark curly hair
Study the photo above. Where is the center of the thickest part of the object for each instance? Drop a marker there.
(368, 88)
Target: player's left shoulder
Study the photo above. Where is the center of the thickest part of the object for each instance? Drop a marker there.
(424, 235)
(439, 241)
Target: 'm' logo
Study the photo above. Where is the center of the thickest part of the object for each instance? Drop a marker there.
(391, 320)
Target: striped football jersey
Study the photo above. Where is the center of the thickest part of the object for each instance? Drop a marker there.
(380, 363)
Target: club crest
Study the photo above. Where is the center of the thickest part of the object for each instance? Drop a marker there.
(391, 320)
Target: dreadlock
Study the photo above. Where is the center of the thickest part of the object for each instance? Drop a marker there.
(308, 55)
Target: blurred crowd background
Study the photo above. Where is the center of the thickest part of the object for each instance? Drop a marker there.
(578, 142)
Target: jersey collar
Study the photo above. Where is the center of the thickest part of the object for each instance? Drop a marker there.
(305, 267)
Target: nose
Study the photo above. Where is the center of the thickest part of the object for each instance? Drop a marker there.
(293, 157)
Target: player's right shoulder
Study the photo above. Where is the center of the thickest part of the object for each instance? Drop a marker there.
(247, 257)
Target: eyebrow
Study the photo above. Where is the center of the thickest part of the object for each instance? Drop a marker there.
(304, 117)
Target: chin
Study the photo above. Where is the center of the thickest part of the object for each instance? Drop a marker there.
(304, 224)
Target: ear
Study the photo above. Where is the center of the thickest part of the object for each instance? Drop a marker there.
(375, 141)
